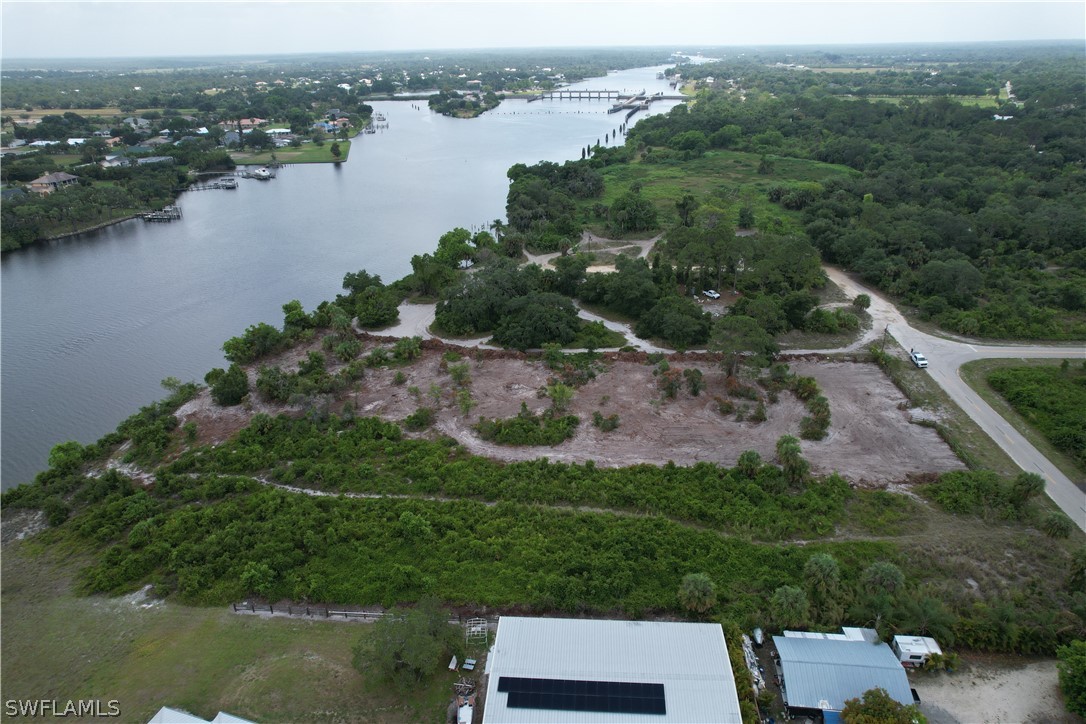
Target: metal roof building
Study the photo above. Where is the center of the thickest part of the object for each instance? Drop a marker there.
(574, 671)
(821, 674)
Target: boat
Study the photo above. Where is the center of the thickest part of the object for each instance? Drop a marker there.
(260, 174)
(378, 117)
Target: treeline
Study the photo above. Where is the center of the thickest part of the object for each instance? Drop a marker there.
(974, 221)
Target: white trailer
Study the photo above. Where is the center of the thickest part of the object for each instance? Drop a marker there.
(915, 651)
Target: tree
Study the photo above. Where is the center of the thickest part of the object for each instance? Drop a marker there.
(735, 336)
(560, 395)
(1072, 675)
(697, 592)
(789, 606)
(228, 387)
(407, 646)
(686, 206)
(862, 301)
(1026, 486)
(749, 463)
(822, 574)
(791, 457)
(882, 576)
(336, 152)
(877, 707)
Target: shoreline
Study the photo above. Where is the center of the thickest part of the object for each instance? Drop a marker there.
(96, 227)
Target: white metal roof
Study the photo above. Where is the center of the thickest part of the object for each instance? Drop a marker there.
(689, 659)
(824, 673)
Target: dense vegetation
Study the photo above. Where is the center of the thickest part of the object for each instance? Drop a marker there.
(1052, 399)
(462, 105)
(975, 220)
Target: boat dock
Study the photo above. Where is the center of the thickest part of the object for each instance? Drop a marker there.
(226, 183)
(169, 213)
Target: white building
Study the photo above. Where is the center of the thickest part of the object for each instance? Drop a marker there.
(574, 671)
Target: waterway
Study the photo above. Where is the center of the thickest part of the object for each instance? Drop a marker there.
(91, 324)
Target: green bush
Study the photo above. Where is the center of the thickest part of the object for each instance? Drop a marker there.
(528, 429)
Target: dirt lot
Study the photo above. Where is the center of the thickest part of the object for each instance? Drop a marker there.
(998, 690)
(870, 440)
(985, 688)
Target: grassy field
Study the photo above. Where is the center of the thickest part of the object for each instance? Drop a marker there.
(729, 179)
(976, 373)
(981, 101)
(306, 153)
(202, 660)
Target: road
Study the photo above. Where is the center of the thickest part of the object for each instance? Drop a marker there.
(945, 358)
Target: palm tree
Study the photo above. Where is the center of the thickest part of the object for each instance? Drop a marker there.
(822, 574)
(697, 592)
(790, 607)
(882, 576)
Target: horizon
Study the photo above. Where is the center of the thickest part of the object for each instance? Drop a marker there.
(87, 31)
(675, 50)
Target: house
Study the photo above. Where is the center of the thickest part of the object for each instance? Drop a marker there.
(151, 160)
(231, 138)
(43, 144)
(573, 671)
(76, 141)
(15, 193)
(52, 182)
(140, 124)
(250, 123)
(116, 160)
(821, 672)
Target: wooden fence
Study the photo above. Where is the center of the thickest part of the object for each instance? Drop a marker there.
(324, 612)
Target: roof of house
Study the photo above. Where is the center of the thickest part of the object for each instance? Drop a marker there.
(682, 667)
(824, 673)
(58, 177)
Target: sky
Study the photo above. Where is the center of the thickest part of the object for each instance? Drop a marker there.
(92, 29)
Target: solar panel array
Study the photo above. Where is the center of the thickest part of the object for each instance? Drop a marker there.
(616, 697)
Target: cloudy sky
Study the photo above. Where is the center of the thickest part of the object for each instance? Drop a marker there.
(86, 28)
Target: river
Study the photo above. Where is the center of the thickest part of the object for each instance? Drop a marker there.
(91, 324)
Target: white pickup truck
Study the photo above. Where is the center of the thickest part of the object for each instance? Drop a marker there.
(918, 359)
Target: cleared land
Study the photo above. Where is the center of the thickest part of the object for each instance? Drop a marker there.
(306, 153)
(871, 439)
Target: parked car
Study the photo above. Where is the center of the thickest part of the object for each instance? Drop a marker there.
(711, 294)
(918, 359)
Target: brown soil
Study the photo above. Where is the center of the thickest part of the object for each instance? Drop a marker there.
(870, 439)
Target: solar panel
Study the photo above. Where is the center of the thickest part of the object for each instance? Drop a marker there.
(616, 697)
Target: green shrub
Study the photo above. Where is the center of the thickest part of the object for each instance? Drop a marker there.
(606, 424)
(528, 429)
(420, 419)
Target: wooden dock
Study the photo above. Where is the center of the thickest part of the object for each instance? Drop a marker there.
(169, 213)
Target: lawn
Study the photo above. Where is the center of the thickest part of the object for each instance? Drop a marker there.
(202, 660)
(729, 179)
(306, 153)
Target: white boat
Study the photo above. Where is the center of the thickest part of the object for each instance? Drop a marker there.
(260, 174)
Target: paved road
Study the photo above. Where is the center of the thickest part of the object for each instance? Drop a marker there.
(946, 356)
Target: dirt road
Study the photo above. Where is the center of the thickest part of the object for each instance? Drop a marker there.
(945, 358)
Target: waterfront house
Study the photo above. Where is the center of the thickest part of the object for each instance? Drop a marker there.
(52, 182)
